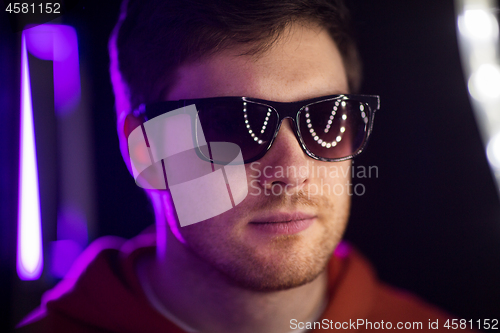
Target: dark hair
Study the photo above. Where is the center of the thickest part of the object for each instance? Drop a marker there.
(154, 37)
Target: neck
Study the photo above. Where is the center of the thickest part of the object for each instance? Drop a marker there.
(205, 300)
(197, 295)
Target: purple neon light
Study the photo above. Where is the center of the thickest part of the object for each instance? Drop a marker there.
(72, 239)
(29, 235)
(72, 224)
(64, 253)
(59, 43)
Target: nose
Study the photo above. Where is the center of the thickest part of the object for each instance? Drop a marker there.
(285, 164)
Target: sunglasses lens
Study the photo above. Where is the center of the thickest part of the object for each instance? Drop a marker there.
(249, 125)
(334, 129)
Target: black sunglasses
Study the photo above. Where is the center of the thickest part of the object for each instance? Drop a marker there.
(330, 128)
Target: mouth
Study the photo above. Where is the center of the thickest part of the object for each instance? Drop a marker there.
(283, 223)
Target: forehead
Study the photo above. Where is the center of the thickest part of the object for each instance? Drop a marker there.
(302, 64)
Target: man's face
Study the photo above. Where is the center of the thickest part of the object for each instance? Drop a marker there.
(268, 241)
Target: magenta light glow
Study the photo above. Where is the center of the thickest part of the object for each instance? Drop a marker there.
(29, 235)
(59, 43)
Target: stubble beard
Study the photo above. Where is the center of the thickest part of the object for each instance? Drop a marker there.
(290, 260)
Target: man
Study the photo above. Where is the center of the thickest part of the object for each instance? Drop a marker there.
(266, 264)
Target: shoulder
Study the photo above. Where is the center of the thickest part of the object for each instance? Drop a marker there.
(99, 280)
(409, 311)
(357, 295)
(403, 305)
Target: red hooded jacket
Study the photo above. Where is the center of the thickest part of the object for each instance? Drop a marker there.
(103, 294)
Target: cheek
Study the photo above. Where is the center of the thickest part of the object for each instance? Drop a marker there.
(203, 229)
(203, 236)
(332, 181)
(332, 173)
(217, 229)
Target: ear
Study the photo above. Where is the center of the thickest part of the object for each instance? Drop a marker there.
(147, 174)
(125, 125)
(130, 123)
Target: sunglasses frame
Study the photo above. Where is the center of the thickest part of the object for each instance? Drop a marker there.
(284, 110)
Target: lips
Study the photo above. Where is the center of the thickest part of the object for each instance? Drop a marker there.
(282, 217)
(282, 223)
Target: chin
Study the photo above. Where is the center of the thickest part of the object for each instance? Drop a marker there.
(283, 264)
(274, 280)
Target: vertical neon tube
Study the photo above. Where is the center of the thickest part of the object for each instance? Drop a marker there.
(29, 227)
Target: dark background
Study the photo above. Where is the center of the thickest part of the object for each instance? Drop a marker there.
(430, 223)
